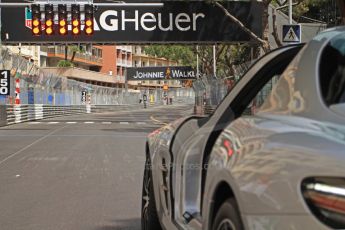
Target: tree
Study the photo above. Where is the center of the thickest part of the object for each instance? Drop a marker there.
(231, 56)
(65, 64)
(262, 41)
(341, 6)
(75, 50)
(184, 55)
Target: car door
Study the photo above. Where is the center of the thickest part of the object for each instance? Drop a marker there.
(190, 157)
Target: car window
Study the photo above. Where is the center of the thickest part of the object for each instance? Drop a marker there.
(256, 83)
(259, 99)
(332, 71)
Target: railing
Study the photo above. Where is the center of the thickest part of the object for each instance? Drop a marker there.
(124, 48)
(61, 51)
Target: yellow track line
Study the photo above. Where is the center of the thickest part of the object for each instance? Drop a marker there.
(157, 121)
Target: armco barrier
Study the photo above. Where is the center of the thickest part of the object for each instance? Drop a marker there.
(22, 113)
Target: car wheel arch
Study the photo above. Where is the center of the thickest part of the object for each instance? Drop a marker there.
(220, 186)
(222, 192)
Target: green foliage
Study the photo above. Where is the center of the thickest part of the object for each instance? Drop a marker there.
(77, 49)
(184, 55)
(65, 64)
(229, 57)
(315, 9)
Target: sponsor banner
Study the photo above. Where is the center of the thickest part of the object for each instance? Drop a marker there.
(160, 73)
(175, 22)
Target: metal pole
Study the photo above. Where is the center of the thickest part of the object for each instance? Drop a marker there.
(197, 61)
(214, 61)
(126, 81)
(0, 28)
(290, 12)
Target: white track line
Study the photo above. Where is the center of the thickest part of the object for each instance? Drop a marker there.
(141, 123)
(106, 123)
(34, 122)
(71, 122)
(28, 146)
(53, 122)
(89, 122)
(124, 123)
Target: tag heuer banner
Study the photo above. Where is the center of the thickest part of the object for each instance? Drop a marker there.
(160, 73)
(174, 22)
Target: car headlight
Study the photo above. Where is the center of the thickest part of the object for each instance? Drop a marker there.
(325, 197)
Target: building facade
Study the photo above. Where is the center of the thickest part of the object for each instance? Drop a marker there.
(99, 65)
(141, 59)
(31, 53)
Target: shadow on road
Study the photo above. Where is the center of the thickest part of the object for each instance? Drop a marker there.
(127, 224)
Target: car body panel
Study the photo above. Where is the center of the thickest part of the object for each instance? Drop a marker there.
(160, 142)
(294, 136)
(270, 158)
(263, 158)
(281, 222)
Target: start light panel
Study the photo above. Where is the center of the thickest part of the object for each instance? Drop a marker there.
(62, 19)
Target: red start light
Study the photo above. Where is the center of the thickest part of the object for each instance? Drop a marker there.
(36, 19)
(76, 31)
(49, 23)
(89, 31)
(62, 23)
(36, 31)
(88, 23)
(49, 31)
(63, 31)
(75, 23)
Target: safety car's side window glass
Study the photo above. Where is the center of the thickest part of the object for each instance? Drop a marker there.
(261, 96)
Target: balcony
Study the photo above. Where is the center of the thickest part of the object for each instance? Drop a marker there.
(85, 75)
(59, 51)
(123, 62)
(125, 48)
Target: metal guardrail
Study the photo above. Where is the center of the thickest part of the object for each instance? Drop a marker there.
(24, 113)
(14, 114)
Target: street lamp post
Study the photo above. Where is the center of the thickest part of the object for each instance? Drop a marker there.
(214, 62)
(290, 12)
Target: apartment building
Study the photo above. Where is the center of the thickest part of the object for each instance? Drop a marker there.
(141, 59)
(86, 57)
(31, 53)
(92, 64)
(115, 61)
(99, 65)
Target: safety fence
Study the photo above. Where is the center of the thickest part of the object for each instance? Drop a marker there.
(210, 90)
(31, 85)
(37, 94)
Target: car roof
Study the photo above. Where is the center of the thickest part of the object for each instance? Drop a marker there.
(298, 91)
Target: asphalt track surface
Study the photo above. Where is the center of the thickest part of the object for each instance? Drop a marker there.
(78, 172)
